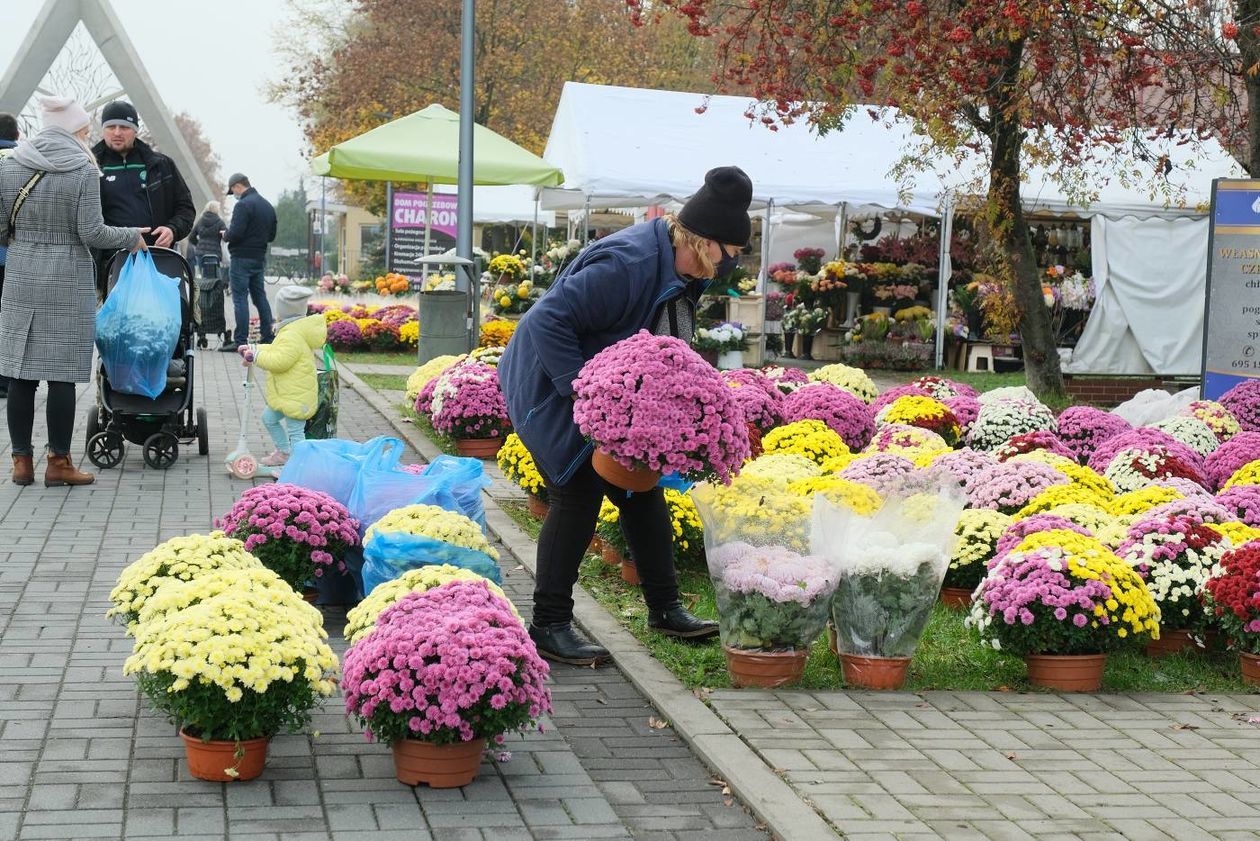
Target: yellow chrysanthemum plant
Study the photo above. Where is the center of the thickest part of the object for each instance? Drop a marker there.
(810, 438)
(178, 559)
(978, 531)
(853, 380)
(1248, 474)
(243, 664)
(1057, 496)
(518, 466)
(1063, 593)
(409, 336)
(855, 496)
(426, 373)
(763, 507)
(685, 528)
(923, 413)
(496, 333)
(783, 468)
(174, 595)
(1142, 500)
(362, 617)
(423, 535)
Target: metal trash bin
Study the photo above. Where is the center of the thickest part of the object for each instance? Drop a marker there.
(443, 320)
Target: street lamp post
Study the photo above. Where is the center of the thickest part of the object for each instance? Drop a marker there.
(463, 231)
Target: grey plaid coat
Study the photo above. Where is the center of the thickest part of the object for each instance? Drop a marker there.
(48, 309)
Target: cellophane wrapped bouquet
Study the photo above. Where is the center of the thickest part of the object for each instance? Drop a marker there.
(891, 563)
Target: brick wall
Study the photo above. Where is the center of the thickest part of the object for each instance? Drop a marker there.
(1112, 391)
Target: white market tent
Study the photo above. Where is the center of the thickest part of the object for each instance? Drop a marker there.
(504, 205)
(630, 147)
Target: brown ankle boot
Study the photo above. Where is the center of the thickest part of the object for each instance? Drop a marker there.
(23, 470)
(61, 472)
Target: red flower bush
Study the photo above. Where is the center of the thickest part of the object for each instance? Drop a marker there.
(1232, 597)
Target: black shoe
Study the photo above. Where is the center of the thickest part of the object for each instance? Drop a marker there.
(561, 643)
(677, 621)
(228, 347)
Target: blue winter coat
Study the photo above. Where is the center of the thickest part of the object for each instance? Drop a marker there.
(612, 290)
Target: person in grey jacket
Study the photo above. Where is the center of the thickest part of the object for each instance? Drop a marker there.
(48, 311)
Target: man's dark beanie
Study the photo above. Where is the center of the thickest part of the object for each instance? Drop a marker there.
(120, 113)
(719, 210)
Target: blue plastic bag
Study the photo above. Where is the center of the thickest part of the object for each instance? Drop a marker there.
(332, 465)
(138, 327)
(388, 555)
(377, 492)
(465, 478)
(672, 481)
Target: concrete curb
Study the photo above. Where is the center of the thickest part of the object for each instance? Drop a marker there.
(765, 793)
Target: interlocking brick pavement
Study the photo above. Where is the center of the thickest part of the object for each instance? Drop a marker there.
(80, 756)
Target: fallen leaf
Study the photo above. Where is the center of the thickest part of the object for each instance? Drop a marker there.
(518, 568)
(728, 801)
(1003, 688)
(601, 700)
(1011, 756)
(717, 781)
(657, 724)
(1185, 727)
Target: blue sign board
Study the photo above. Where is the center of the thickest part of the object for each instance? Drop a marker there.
(1231, 321)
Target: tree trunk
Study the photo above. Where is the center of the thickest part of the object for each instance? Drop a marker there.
(1010, 233)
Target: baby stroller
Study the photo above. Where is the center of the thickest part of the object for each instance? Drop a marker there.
(211, 319)
(160, 424)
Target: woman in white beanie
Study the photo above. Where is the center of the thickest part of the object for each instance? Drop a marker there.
(50, 215)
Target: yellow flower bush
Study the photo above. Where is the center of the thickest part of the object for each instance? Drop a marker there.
(1237, 533)
(810, 438)
(912, 314)
(1218, 419)
(688, 531)
(1248, 474)
(1143, 500)
(922, 412)
(759, 507)
(1093, 518)
(180, 558)
(430, 370)
(1077, 474)
(177, 595)
(489, 355)
(783, 468)
(331, 314)
(362, 617)
(238, 665)
(437, 523)
(496, 333)
(409, 335)
(518, 465)
(853, 380)
(978, 531)
(855, 496)
(837, 463)
(1056, 496)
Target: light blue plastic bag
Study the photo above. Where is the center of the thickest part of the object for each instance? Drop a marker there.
(388, 555)
(332, 465)
(466, 478)
(138, 326)
(377, 492)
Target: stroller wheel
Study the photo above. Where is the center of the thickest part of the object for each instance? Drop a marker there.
(203, 433)
(161, 450)
(106, 449)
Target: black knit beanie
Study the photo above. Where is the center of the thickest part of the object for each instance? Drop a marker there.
(120, 113)
(719, 210)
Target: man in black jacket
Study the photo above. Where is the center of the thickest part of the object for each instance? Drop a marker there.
(253, 227)
(140, 187)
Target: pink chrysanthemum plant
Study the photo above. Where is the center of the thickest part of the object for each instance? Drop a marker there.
(296, 532)
(448, 665)
(650, 402)
(468, 404)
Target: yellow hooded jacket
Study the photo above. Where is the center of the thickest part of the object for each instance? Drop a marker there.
(292, 386)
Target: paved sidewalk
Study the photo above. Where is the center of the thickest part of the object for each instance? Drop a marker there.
(80, 757)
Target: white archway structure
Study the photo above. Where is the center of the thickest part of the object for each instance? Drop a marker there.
(43, 43)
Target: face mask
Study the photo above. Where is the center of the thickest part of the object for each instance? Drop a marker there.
(726, 265)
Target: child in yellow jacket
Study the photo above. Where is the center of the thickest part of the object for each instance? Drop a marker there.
(292, 389)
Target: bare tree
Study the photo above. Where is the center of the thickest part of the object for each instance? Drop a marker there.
(80, 71)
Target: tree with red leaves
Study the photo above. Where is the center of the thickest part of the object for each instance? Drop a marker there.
(1064, 84)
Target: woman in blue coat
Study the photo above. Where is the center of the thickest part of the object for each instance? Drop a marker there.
(648, 276)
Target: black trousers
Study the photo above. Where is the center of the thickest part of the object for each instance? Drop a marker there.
(569, 527)
(59, 412)
(4, 381)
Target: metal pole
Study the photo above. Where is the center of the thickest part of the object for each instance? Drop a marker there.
(428, 227)
(942, 294)
(389, 226)
(533, 236)
(586, 222)
(323, 221)
(463, 239)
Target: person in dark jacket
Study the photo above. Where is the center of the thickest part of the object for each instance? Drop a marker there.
(648, 276)
(253, 227)
(207, 234)
(8, 142)
(140, 187)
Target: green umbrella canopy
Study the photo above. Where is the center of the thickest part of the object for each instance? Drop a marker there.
(424, 147)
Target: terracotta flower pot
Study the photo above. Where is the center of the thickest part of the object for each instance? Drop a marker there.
(956, 598)
(484, 448)
(1250, 668)
(874, 672)
(310, 594)
(213, 759)
(765, 669)
(610, 554)
(1171, 642)
(597, 546)
(536, 506)
(439, 766)
(1069, 673)
(614, 472)
(629, 572)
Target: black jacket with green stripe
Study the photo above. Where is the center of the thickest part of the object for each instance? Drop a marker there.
(169, 202)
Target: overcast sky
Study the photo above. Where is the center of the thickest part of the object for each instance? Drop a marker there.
(212, 60)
